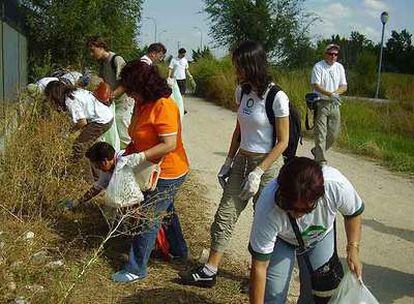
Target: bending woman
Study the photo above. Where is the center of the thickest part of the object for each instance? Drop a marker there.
(310, 196)
(89, 115)
(155, 132)
(250, 163)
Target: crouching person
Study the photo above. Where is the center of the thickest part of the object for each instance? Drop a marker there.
(91, 117)
(103, 159)
(295, 217)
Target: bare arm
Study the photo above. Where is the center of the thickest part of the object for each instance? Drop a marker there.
(169, 72)
(342, 89)
(88, 195)
(321, 90)
(353, 235)
(258, 281)
(282, 131)
(118, 92)
(235, 141)
(80, 124)
(167, 144)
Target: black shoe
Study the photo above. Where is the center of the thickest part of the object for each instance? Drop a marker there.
(185, 112)
(197, 277)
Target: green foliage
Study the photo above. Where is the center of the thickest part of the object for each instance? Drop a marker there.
(278, 24)
(204, 53)
(363, 76)
(60, 28)
(399, 52)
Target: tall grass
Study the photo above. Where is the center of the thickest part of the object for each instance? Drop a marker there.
(384, 132)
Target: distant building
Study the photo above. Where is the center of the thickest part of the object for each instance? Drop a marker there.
(13, 50)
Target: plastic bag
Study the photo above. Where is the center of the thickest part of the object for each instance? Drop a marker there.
(176, 96)
(111, 136)
(351, 290)
(123, 190)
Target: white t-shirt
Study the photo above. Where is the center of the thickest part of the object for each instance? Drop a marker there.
(179, 65)
(146, 59)
(329, 77)
(84, 105)
(271, 221)
(72, 77)
(256, 130)
(43, 82)
(104, 177)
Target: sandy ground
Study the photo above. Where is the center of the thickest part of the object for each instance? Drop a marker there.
(388, 227)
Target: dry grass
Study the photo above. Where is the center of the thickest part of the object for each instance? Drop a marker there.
(34, 176)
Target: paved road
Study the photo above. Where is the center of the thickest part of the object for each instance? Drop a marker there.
(388, 227)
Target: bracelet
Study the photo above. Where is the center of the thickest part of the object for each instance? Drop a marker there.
(352, 245)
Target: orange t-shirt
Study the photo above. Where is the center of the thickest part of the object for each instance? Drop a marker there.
(153, 120)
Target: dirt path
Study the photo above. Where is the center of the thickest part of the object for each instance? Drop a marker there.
(388, 226)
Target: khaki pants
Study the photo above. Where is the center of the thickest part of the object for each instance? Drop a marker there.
(231, 205)
(327, 127)
(87, 138)
(124, 106)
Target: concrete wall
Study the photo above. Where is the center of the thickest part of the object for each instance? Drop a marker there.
(13, 58)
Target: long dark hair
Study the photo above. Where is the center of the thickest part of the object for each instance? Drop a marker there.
(145, 80)
(300, 182)
(250, 60)
(58, 92)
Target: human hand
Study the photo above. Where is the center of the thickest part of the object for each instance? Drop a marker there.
(251, 184)
(354, 262)
(170, 81)
(224, 172)
(131, 160)
(336, 99)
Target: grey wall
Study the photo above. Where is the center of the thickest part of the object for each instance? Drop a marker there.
(13, 66)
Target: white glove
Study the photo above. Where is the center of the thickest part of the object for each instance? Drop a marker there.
(131, 160)
(224, 172)
(251, 184)
(170, 81)
(336, 99)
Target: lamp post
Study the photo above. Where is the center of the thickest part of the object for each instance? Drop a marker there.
(201, 37)
(384, 20)
(155, 27)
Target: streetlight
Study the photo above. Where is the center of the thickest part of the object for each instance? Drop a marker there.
(201, 37)
(155, 27)
(384, 20)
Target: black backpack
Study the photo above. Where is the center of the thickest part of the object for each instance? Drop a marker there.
(295, 124)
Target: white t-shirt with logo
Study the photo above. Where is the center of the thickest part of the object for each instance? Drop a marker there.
(72, 77)
(270, 221)
(329, 77)
(84, 105)
(179, 65)
(256, 130)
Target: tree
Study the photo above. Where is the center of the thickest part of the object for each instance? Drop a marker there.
(59, 28)
(277, 24)
(202, 53)
(399, 52)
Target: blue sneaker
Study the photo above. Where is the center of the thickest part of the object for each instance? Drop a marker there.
(123, 276)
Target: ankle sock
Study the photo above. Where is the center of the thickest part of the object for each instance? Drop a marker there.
(209, 270)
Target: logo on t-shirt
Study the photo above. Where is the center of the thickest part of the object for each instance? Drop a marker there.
(248, 108)
(313, 232)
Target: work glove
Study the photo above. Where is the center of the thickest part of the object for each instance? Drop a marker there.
(170, 81)
(69, 204)
(251, 184)
(336, 99)
(131, 160)
(224, 172)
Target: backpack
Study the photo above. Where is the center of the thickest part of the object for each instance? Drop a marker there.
(295, 124)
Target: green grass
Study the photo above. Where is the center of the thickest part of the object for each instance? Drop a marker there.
(382, 132)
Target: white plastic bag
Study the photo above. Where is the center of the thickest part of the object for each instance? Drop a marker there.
(178, 98)
(351, 290)
(111, 136)
(123, 189)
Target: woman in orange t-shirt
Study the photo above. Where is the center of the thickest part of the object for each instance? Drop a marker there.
(155, 131)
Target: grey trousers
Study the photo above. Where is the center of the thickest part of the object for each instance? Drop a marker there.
(231, 205)
(327, 127)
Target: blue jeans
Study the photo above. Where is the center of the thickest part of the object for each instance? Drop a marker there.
(158, 201)
(281, 264)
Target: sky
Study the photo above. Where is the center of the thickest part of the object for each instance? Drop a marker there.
(181, 23)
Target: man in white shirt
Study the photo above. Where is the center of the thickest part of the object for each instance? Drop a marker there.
(329, 82)
(155, 54)
(178, 69)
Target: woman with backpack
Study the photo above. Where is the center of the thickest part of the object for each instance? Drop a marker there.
(89, 115)
(251, 159)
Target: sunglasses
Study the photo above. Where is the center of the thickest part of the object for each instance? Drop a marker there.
(332, 54)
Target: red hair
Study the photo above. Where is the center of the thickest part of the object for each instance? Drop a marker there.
(144, 79)
(301, 183)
